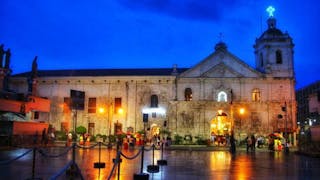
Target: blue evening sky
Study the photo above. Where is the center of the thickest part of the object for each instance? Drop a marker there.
(82, 34)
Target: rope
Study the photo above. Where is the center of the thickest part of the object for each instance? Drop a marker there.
(59, 173)
(46, 154)
(133, 157)
(87, 147)
(64, 169)
(11, 160)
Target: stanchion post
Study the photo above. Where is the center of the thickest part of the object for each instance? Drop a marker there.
(162, 162)
(153, 168)
(142, 176)
(33, 162)
(99, 164)
(142, 154)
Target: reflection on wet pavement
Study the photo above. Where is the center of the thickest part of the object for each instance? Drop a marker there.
(199, 165)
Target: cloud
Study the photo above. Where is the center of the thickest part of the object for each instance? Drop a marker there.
(205, 10)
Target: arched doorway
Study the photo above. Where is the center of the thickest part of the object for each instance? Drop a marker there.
(220, 128)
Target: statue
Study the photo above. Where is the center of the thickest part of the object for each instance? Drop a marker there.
(1, 55)
(7, 59)
(34, 70)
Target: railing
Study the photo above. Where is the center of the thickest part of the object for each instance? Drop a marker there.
(72, 169)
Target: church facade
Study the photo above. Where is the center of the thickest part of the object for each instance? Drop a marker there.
(220, 95)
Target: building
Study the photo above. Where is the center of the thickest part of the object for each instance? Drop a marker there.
(219, 95)
(308, 99)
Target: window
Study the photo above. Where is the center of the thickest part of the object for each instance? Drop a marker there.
(222, 97)
(66, 104)
(154, 101)
(188, 94)
(278, 57)
(117, 105)
(92, 105)
(256, 95)
(36, 115)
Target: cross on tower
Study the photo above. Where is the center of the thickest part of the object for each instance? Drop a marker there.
(270, 10)
(220, 37)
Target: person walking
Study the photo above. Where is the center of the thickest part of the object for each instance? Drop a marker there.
(253, 143)
(232, 144)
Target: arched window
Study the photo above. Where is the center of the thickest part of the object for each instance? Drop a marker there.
(256, 96)
(188, 94)
(278, 57)
(154, 101)
(222, 96)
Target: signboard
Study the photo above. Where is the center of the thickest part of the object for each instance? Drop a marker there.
(77, 99)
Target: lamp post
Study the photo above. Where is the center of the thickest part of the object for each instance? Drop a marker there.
(284, 109)
(241, 112)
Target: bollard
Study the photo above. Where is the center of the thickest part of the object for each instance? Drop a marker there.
(162, 162)
(153, 168)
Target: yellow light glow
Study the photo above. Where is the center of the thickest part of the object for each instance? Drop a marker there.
(241, 111)
(120, 111)
(101, 110)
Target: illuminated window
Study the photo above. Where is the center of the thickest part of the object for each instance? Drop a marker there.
(117, 105)
(154, 101)
(222, 97)
(92, 105)
(278, 57)
(188, 94)
(256, 95)
(66, 104)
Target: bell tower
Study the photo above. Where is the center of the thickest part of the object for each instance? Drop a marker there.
(274, 50)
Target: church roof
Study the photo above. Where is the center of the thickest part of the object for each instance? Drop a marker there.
(273, 33)
(105, 72)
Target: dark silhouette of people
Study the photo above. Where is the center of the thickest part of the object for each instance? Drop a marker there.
(253, 141)
(44, 137)
(232, 144)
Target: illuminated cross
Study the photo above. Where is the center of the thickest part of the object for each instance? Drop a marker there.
(270, 10)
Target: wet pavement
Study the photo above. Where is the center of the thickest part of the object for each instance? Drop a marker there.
(182, 164)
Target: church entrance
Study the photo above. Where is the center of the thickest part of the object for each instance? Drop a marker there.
(220, 129)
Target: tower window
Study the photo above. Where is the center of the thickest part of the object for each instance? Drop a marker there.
(222, 96)
(188, 94)
(278, 57)
(154, 101)
(256, 96)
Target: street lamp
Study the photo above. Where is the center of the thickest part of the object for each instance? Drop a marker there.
(241, 112)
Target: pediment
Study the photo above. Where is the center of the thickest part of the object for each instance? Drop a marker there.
(221, 71)
(221, 63)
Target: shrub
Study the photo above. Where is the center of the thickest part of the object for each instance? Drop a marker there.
(81, 130)
(177, 139)
(61, 135)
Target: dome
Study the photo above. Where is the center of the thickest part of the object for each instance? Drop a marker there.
(220, 46)
(272, 31)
